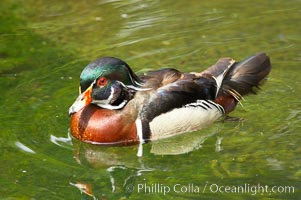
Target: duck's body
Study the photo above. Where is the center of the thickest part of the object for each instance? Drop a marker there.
(117, 107)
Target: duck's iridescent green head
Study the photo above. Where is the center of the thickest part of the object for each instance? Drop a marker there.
(109, 67)
(107, 82)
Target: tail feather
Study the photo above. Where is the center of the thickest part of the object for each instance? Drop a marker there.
(241, 79)
(247, 74)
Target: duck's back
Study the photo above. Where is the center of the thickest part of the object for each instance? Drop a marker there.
(184, 102)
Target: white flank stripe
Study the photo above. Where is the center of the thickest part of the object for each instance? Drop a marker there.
(140, 135)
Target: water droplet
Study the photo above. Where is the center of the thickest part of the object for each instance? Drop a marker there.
(124, 15)
(98, 19)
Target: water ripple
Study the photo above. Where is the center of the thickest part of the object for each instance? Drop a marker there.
(24, 148)
(64, 142)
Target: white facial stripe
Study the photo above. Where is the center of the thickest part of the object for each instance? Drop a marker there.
(111, 95)
(138, 89)
(140, 84)
(121, 83)
(111, 107)
(133, 81)
(105, 101)
(133, 87)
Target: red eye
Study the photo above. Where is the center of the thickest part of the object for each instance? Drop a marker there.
(102, 81)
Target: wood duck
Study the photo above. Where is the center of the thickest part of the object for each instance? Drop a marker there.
(117, 107)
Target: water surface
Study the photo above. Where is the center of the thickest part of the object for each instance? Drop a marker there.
(44, 45)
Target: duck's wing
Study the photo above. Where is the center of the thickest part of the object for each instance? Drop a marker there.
(173, 89)
(215, 91)
(159, 78)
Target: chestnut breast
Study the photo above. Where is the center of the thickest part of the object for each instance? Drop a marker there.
(97, 125)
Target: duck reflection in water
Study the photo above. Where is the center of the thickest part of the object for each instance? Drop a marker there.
(123, 168)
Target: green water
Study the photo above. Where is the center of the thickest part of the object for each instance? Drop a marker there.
(44, 45)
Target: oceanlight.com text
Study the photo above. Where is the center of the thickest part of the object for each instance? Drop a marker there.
(255, 189)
